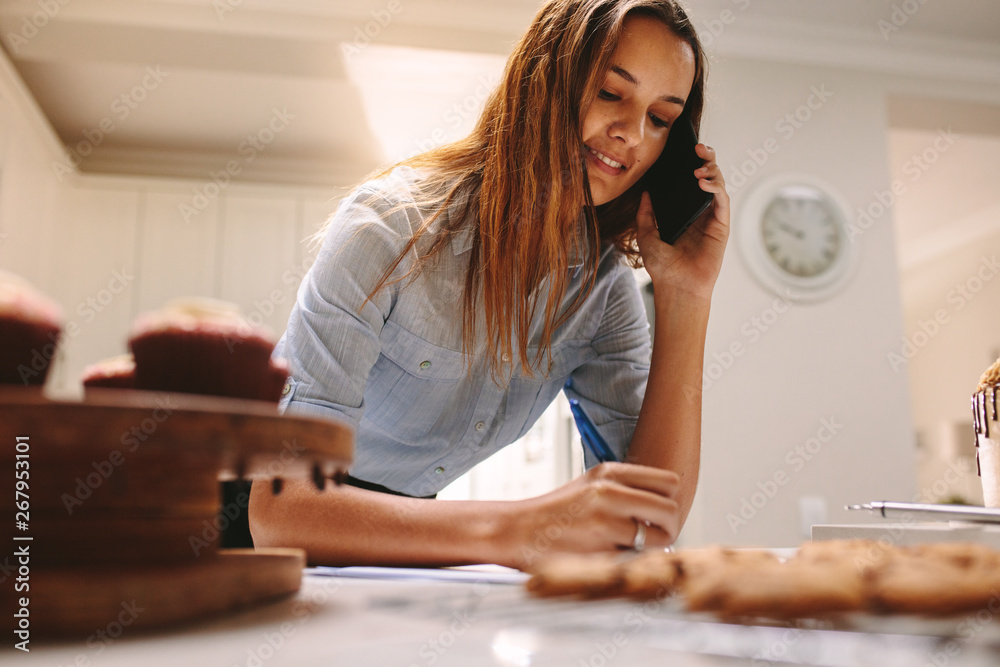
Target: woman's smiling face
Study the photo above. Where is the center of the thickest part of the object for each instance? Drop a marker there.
(644, 91)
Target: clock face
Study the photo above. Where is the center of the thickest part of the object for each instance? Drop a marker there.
(792, 232)
(801, 231)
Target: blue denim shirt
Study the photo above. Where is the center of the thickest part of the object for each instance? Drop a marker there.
(393, 367)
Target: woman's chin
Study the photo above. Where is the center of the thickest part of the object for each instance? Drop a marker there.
(601, 196)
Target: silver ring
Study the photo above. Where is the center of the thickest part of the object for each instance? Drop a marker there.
(639, 543)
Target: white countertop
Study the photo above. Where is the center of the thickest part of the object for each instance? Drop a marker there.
(910, 533)
(347, 621)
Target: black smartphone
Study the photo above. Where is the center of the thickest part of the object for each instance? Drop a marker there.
(677, 198)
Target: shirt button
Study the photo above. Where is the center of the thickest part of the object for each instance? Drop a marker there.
(287, 388)
(425, 365)
(480, 426)
(439, 470)
(505, 357)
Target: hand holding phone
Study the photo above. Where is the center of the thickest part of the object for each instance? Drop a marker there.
(677, 198)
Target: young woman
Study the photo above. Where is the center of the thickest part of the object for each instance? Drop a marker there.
(455, 295)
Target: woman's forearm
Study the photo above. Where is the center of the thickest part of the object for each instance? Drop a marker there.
(668, 433)
(349, 526)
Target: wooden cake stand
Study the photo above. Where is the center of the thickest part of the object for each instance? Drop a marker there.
(119, 507)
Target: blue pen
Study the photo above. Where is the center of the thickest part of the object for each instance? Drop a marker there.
(598, 446)
(589, 435)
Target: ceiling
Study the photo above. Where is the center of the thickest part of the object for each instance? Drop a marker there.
(185, 87)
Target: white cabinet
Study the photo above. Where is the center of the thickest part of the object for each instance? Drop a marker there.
(123, 246)
(259, 250)
(95, 275)
(177, 250)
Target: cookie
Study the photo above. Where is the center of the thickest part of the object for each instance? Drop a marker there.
(579, 575)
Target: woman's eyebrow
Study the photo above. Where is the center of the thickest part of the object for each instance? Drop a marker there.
(625, 74)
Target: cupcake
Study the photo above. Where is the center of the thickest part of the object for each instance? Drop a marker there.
(114, 373)
(984, 419)
(274, 381)
(204, 346)
(30, 325)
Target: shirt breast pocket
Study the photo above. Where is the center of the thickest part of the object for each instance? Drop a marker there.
(413, 386)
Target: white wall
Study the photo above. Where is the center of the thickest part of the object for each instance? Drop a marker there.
(946, 368)
(950, 284)
(813, 376)
(953, 327)
(829, 359)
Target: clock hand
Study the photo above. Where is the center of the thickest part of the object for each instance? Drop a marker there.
(797, 233)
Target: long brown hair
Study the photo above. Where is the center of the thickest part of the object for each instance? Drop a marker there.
(519, 177)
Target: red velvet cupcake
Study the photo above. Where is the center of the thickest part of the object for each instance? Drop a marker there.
(274, 381)
(114, 373)
(30, 325)
(203, 346)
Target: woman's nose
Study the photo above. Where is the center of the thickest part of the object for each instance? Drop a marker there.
(628, 128)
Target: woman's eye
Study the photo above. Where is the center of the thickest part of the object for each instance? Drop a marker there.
(658, 122)
(605, 95)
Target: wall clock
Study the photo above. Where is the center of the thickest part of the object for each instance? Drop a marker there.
(792, 233)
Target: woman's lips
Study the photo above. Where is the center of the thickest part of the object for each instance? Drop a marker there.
(597, 160)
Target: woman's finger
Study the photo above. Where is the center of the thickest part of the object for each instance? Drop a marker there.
(659, 537)
(661, 531)
(647, 478)
(647, 507)
(615, 506)
(705, 152)
(645, 219)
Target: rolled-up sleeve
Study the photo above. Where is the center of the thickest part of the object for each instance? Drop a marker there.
(611, 386)
(332, 339)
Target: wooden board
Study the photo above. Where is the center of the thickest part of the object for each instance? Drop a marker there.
(251, 438)
(80, 602)
(132, 476)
